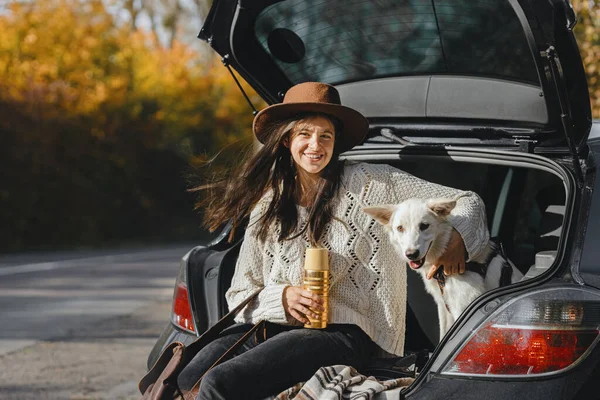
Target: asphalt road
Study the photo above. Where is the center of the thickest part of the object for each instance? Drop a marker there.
(80, 326)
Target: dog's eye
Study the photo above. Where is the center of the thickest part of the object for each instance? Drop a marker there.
(400, 228)
(423, 226)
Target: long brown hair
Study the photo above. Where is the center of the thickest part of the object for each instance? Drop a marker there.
(272, 169)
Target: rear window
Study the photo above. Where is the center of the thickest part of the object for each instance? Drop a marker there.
(338, 41)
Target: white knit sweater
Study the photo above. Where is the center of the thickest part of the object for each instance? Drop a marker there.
(368, 280)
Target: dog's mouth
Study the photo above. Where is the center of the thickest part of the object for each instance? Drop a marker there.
(417, 264)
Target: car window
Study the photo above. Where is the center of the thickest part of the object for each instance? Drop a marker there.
(339, 41)
(539, 215)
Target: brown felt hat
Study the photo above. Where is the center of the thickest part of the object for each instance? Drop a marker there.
(314, 97)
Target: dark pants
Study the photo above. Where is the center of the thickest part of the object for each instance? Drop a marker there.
(263, 368)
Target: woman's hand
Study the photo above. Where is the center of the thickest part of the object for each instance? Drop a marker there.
(300, 303)
(454, 258)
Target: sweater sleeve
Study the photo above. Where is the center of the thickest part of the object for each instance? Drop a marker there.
(249, 276)
(468, 217)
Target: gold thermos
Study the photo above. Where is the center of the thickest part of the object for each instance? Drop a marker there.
(316, 279)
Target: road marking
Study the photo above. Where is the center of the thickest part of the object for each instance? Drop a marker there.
(170, 254)
(19, 269)
(12, 345)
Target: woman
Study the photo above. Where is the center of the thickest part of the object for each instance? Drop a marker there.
(298, 194)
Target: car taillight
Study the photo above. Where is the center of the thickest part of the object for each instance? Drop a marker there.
(538, 333)
(181, 314)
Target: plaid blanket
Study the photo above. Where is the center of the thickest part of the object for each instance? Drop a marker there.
(343, 382)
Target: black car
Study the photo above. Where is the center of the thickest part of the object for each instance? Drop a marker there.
(481, 95)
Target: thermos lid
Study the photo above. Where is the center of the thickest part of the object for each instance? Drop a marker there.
(316, 259)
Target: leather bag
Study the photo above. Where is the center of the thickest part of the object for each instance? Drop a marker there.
(160, 382)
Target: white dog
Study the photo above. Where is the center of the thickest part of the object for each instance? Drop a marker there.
(420, 232)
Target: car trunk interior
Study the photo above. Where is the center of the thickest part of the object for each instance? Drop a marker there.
(525, 198)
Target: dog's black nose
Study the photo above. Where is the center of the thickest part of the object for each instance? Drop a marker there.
(412, 254)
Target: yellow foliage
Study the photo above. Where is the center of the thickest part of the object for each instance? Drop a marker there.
(71, 59)
(587, 32)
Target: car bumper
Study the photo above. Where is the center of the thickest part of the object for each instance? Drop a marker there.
(578, 383)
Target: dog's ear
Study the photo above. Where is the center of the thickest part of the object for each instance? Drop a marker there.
(441, 207)
(381, 214)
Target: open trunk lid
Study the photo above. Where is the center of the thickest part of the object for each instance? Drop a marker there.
(510, 63)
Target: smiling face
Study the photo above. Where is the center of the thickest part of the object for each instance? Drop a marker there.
(311, 145)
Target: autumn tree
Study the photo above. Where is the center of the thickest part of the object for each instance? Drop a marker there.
(98, 120)
(170, 20)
